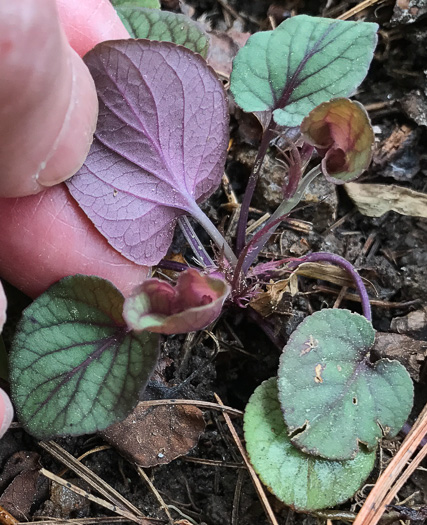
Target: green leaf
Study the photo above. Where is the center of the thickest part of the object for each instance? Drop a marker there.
(75, 367)
(164, 26)
(332, 396)
(305, 61)
(303, 482)
(342, 133)
(150, 4)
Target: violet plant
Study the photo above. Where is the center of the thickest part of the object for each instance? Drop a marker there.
(82, 352)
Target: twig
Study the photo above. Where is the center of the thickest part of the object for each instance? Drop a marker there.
(213, 462)
(102, 502)
(375, 503)
(90, 477)
(257, 483)
(257, 223)
(357, 9)
(153, 489)
(85, 521)
(6, 518)
(228, 190)
(405, 476)
(374, 302)
(236, 499)
(201, 404)
(85, 455)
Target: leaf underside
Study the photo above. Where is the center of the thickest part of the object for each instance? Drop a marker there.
(75, 367)
(332, 396)
(164, 26)
(305, 61)
(303, 482)
(159, 147)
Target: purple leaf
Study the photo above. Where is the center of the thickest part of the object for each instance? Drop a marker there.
(159, 147)
(342, 133)
(194, 303)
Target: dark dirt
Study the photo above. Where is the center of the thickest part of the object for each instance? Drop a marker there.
(390, 251)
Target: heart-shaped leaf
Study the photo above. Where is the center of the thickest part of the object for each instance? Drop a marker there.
(332, 396)
(342, 133)
(193, 304)
(164, 26)
(75, 366)
(303, 482)
(305, 61)
(159, 147)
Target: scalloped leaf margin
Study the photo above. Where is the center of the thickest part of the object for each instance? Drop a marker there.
(302, 481)
(75, 368)
(305, 61)
(333, 398)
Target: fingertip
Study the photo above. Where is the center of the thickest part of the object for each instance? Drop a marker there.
(6, 412)
(90, 22)
(75, 137)
(3, 304)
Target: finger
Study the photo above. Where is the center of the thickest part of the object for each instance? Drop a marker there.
(48, 237)
(48, 103)
(6, 412)
(3, 304)
(89, 22)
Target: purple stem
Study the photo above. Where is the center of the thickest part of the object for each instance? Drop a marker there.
(267, 136)
(253, 248)
(259, 240)
(194, 242)
(175, 266)
(342, 263)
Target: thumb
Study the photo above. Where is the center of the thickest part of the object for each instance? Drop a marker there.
(3, 304)
(6, 412)
(48, 103)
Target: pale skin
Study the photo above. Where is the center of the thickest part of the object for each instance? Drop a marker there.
(48, 112)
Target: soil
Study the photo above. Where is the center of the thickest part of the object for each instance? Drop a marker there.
(236, 356)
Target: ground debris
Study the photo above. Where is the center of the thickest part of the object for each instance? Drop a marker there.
(410, 352)
(156, 435)
(374, 200)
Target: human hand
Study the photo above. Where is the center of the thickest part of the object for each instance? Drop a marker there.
(48, 111)
(6, 410)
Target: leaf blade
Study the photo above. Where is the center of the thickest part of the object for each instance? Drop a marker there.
(304, 482)
(75, 368)
(159, 147)
(164, 26)
(332, 397)
(305, 61)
